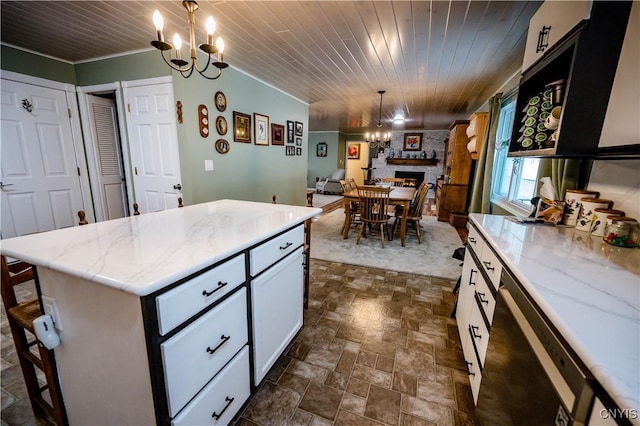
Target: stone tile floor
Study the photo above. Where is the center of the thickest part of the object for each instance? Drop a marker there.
(377, 347)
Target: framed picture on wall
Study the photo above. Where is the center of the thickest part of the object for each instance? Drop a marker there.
(277, 134)
(290, 150)
(298, 128)
(298, 141)
(353, 151)
(290, 131)
(321, 149)
(298, 151)
(241, 127)
(261, 129)
(412, 142)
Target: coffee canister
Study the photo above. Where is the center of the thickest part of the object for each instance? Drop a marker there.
(587, 209)
(598, 222)
(572, 204)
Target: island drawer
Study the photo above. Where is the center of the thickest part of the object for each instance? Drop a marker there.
(275, 249)
(196, 354)
(492, 266)
(221, 399)
(478, 333)
(475, 241)
(181, 303)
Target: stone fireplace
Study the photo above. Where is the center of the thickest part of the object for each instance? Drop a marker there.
(418, 176)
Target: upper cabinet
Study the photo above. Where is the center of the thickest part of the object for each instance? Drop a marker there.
(476, 132)
(552, 21)
(569, 68)
(621, 130)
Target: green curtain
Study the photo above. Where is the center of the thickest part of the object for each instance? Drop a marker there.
(481, 188)
(565, 173)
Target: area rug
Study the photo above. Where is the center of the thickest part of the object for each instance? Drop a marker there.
(431, 257)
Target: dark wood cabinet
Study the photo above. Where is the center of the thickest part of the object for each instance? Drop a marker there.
(451, 193)
(586, 59)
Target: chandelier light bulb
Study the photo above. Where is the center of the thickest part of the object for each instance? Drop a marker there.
(158, 21)
(210, 25)
(177, 42)
(220, 45)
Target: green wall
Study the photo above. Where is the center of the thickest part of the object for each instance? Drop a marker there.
(320, 167)
(247, 171)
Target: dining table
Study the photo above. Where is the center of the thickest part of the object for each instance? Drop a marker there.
(399, 195)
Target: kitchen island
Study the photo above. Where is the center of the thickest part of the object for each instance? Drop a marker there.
(158, 314)
(588, 290)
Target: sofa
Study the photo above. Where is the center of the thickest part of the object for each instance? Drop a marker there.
(330, 184)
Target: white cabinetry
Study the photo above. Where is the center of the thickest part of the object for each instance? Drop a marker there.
(476, 304)
(552, 21)
(277, 312)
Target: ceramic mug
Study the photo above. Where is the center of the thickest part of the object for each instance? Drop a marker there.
(572, 204)
(587, 210)
(553, 119)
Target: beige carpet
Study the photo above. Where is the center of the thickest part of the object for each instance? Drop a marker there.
(431, 257)
(320, 200)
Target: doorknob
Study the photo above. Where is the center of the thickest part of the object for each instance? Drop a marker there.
(2, 185)
(177, 186)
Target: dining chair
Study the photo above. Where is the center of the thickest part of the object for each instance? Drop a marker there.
(373, 209)
(20, 316)
(394, 181)
(354, 207)
(414, 215)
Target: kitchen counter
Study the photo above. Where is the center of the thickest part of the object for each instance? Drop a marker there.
(142, 254)
(589, 289)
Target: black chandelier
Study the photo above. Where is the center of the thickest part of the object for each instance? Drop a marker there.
(375, 139)
(183, 67)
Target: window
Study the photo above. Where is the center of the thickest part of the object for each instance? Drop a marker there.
(514, 178)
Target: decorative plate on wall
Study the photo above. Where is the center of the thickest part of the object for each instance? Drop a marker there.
(221, 101)
(222, 146)
(221, 125)
(203, 120)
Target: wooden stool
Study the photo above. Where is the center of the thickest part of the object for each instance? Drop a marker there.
(20, 317)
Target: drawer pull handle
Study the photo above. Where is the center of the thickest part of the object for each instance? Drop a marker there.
(469, 372)
(474, 328)
(209, 293)
(482, 298)
(286, 246)
(224, 340)
(488, 266)
(471, 277)
(472, 240)
(217, 416)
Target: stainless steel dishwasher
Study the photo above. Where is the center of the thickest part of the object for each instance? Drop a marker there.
(530, 376)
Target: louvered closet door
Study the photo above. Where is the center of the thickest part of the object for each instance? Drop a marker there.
(109, 158)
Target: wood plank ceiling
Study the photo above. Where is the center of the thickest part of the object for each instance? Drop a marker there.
(437, 60)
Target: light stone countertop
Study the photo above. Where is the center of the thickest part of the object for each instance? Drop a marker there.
(589, 289)
(142, 254)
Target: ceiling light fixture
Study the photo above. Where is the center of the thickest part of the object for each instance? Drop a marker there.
(183, 67)
(374, 139)
(398, 119)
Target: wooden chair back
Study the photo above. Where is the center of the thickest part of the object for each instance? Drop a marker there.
(417, 205)
(394, 181)
(373, 202)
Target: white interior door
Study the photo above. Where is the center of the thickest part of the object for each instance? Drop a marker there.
(153, 140)
(39, 173)
(108, 175)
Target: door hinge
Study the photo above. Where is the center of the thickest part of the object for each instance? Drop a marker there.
(135, 170)
(128, 107)
(69, 111)
(78, 170)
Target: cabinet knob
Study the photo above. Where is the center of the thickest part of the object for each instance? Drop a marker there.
(482, 298)
(471, 282)
(469, 372)
(472, 240)
(543, 39)
(224, 340)
(487, 266)
(474, 329)
(228, 401)
(209, 293)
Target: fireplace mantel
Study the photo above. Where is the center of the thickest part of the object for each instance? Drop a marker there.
(413, 161)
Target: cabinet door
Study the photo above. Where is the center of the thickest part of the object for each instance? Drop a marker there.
(276, 310)
(466, 292)
(551, 22)
(620, 127)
